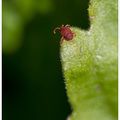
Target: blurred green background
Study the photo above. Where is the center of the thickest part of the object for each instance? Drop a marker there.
(33, 83)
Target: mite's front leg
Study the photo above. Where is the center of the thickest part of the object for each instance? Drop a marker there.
(61, 40)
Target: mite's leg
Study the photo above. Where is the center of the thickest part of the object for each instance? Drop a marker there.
(67, 25)
(57, 28)
(61, 40)
(74, 34)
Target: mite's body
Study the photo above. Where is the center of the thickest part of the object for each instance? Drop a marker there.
(65, 32)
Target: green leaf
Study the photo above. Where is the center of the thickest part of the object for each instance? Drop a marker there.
(89, 64)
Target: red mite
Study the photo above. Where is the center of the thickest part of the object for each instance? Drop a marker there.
(65, 32)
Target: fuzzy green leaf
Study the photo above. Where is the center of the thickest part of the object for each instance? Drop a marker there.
(89, 64)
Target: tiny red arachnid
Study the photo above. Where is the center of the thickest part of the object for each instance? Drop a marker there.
(65, 32)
